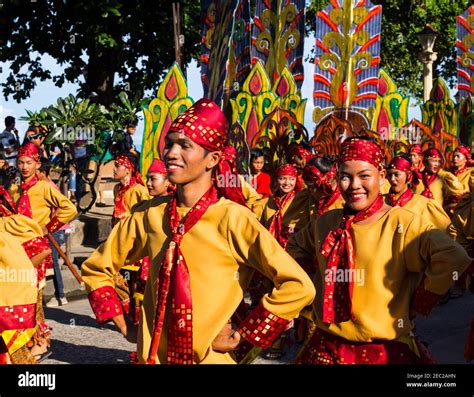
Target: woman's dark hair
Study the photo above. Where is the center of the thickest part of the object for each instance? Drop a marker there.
(323, 164)
(255, 154)
(45, 166)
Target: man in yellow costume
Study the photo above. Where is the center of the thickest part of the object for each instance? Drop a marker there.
(369, 259)
(204, 250)
(436, 183)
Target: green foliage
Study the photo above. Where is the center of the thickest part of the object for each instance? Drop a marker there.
(106, 46)
(401, 21)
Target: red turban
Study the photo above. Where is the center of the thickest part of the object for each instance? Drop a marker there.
(157, 167)
(29, 150)
(286, 170)
(302, 152)
(123, 159)
(432, 152)
(401, 164)
(416, 148)
(465, 150)
(203, 123)
(361, 150)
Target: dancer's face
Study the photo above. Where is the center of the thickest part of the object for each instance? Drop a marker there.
(186, 161)
(360, 183)
(397, 180)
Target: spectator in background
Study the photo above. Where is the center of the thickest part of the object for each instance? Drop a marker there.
(260, 180)
(80, 163)
(35, 136)
(9, 141)
(126, 144)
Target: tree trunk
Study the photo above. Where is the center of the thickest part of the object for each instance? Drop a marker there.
(100, 76)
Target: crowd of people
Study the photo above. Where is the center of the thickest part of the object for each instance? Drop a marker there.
(335, 253)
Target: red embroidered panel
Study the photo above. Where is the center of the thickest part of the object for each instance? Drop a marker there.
(17, 317)
(105, 304)
(36, 246)
(424, 301)
(262, 328)
(54, 224)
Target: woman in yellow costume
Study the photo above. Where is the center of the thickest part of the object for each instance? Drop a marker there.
(376, 266)
(204, 250)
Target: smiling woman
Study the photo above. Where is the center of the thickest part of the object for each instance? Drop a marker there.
(370, 238)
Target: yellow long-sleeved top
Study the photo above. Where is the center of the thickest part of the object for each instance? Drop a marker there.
(464, 178)
(461, 228)
(44, 198)
(429, 210)
(391, 256)
(131, 197)
(445, 186)
(21, 227)
(221, 250)
(250, 194)
(294, 212)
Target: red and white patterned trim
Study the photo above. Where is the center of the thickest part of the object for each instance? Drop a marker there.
(105, 304)
(262, 328)
(424, 301)
(17, 317)
(36, 246)
(54, 224)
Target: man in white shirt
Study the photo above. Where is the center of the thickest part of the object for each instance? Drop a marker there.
(9, 142)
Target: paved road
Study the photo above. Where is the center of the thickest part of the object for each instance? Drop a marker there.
(78, 339)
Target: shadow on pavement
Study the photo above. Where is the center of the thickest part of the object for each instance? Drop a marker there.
(78, 354)
(61, 316)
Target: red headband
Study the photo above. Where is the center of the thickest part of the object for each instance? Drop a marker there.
(416, 148)
(465, 150)
(432, 152)
(302, 152)
(361, 150)
(204, 123)
(124, 160)
(29, 150)
(400, 163)
(287, 170)
(157, 167)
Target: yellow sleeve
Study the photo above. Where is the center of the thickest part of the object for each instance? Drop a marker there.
(462, 223)
(432, 252)
(452, 186)
(125, 244)
(139, 193)
(21, 227)
(436, 215)
(250, 194)
(252, 245)
(66, 210)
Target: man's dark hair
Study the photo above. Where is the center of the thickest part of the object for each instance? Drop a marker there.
(255, 154)
(323, 164)
(9, 120)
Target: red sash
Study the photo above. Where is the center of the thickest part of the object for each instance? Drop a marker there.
(276, 227)
(24, 206)
(428, 179)
(338, 247)
(120, 210)
(404, 198)
(174, 280)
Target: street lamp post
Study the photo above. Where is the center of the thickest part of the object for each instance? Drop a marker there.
(427, 38)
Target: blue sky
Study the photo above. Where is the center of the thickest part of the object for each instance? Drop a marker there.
(46, 93)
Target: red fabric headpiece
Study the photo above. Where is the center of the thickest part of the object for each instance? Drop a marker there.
(124, 160)
(203, 123)
(361, 150)
(432, 152)
(465, 150)
(227, 172)
(416, 148)
(287, 169)
(157, 167)
(29, 150)
(302, 152)
(400, 163)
